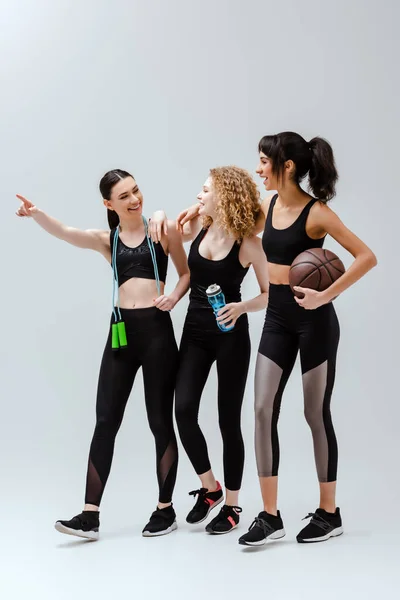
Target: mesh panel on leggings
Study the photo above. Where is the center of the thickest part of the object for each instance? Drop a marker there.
(94, 486)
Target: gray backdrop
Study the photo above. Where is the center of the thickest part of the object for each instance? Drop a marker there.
(168, 90)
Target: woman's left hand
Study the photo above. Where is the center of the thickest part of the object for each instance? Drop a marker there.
(311, 300)
(230, 313)
(165, 303)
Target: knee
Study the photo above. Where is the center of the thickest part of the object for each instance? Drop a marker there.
(230, 429)
(161, 427)
(184, 414)
(263, 412)
(313, 417)
(107, 427)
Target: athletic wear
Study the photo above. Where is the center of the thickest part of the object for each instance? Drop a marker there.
(264, 527)
(85, 525)
(289, 328)
(162, 521)
(228, 273)
(322, 526)
(283, 245)
(203, 343)
(152, 346)
(226, 520)
(137, 262)
(206, 501)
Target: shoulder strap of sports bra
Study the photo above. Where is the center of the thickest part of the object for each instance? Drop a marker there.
(199, 237)
(271, 208)
(306, 210)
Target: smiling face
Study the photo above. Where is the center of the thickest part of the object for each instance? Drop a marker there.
(126, 199)
(207, 199)
(265, 171)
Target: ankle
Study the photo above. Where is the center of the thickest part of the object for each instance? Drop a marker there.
(90, 508)
(328, 508)
(271, 509)
(162, 505)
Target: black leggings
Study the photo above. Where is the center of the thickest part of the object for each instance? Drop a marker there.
(203, 343)
(152, 346)
(289, 328)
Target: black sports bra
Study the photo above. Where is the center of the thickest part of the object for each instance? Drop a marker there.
(137, 262)
(281, 246)
(228, 273)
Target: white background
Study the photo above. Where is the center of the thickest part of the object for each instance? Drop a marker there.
(167, 90)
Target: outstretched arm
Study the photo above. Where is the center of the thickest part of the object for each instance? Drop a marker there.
(93, 239)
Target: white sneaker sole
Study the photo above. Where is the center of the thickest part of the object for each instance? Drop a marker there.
(158, 533)
(209, 510)
(277, 535)
(88, 535)
(334, 533)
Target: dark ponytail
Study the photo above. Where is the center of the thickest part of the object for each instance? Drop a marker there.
(314, 158)
(323, 174)
(106, 185)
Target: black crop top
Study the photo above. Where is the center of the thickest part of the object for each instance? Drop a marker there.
(228, 273)
(283, 245)
(137, 262)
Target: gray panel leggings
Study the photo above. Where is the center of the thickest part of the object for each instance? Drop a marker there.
(289, 328)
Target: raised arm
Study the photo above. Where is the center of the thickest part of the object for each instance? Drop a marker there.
(188, 223)
(93, 239)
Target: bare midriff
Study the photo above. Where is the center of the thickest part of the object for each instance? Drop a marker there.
(278, 274)
(139, 293)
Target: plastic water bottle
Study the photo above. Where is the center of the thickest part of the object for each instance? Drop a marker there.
(216, 299)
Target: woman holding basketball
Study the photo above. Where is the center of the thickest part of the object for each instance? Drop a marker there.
(294, 221)
(141, 335)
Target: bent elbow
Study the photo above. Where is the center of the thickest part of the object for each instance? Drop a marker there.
(372, 260)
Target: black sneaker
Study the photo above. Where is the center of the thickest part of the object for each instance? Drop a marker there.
(264, 527)
(206, 501)
(226, 520)
(162, 521)
(86, 525)
(322, 526)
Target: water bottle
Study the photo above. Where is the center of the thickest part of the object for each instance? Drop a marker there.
(216, 299)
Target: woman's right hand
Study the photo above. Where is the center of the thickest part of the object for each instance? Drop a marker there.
(158, 225)
(187, 215)
(26, 209)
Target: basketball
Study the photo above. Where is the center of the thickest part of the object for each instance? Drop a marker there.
(316, 269)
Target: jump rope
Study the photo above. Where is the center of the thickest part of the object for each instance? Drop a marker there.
(118, 330)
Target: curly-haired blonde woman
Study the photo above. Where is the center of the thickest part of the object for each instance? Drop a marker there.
(222, 250)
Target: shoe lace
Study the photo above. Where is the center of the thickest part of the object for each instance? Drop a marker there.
(262, 524)
(201, 493)
(319, 521)
(227, 508)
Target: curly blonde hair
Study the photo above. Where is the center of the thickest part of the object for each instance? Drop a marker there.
(238, 201)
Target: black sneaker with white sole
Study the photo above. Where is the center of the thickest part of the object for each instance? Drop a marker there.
(323, 525)
(85, 525)
(206, 501)
(264, 527)
(226, 520)
(162, 522)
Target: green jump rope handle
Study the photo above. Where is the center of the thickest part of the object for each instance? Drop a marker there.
(123, 342)
(114, 336)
